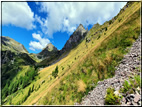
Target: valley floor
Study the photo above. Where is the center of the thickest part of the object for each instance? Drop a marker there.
(126, 69)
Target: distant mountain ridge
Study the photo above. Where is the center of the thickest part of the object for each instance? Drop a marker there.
(48, 51)
(12, 45)
(50, 54)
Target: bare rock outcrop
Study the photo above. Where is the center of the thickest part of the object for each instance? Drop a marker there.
(75, 38)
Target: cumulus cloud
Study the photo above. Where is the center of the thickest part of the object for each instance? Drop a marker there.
(39, 44)
(18, 14)
(66, 16)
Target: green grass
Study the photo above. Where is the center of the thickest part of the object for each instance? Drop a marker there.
(98, 65)
(111, 98)
(131, 85)
(22, 80)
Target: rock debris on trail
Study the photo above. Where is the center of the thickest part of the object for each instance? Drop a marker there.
(127, 68)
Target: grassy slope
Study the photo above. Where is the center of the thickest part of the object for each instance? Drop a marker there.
(99, 62)
(84, 66)
(24, 69)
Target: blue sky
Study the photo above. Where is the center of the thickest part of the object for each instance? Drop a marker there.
(35, 24)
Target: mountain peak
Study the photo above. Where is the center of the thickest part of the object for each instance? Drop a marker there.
(80, 27)
(75, 38)
(50, 47)
(12, 45)
(49, 50)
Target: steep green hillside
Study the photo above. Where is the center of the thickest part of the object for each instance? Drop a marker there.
(94, 59)
(15, 61)
(108, 47)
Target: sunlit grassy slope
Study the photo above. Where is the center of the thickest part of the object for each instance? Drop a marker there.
(86, 64)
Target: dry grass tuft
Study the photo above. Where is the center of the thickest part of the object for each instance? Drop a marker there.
(81, 86)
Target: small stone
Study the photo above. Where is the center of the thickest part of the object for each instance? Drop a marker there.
(137, 92)
(112, 83)
(123, 103)
(138, 88)
(137, 98)
(139, 102)
(124, 100)
(116, 93)
(132, 95)
(133, 103)
(117, 89)
(129, 103)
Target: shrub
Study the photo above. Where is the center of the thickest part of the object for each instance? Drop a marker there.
(25, 98)
(137, 79)
(126, 87)
(98, 36)
(32, 88)
(62, 68)
(37, 88)
(105, 28)
(115, 17)
(111, 98)
(55, 72)
(29, 91)
(119, 19)
(134, 83)
(110, 22)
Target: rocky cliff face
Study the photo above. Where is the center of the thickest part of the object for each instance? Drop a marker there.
(48, 51)
(12, 45)
(75, 38)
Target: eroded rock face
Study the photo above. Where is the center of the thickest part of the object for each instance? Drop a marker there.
(126, 68)
(75, 38)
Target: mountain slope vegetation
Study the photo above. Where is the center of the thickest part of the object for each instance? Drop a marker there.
(18, 68)
(74, 75)
(99, 63)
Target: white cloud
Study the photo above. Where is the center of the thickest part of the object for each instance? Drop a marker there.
(31, 48)
(36, 36)
(18, 14)
(65, 16)
(42, 42)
